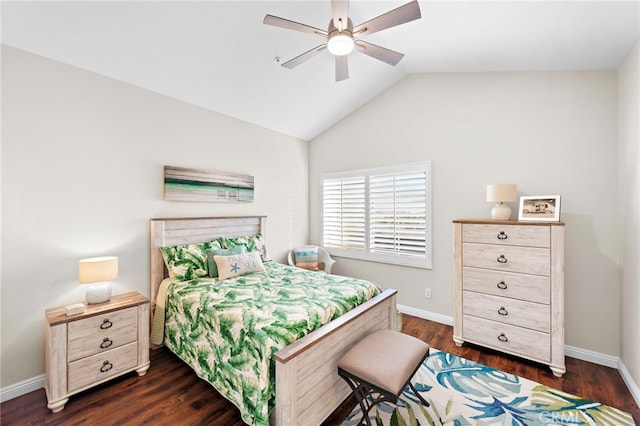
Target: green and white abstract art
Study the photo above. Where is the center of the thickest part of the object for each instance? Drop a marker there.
(182, 184)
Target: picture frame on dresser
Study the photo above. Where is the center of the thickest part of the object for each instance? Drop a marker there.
(539, 208)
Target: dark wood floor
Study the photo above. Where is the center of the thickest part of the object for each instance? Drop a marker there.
(171, 393)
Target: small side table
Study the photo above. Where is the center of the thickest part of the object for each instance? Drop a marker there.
(105, 341)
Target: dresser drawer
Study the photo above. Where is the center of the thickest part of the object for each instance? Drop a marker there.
(103, 341)
(509, 311)
(103, 324)
(528, 260)
(535, 288)
(507, 338)
(99, 367)
(516, 235)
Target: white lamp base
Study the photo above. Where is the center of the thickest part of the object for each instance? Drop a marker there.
(501, 212)
(98, 293)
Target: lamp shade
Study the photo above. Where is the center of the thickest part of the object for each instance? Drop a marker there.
(504, 192)
(97, 269)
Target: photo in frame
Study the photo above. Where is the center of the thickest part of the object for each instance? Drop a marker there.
(543, 208)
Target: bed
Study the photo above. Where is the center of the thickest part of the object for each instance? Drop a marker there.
(307, 387)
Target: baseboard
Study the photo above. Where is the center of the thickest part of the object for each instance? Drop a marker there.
(431, 316)
(21, 388)
(591, 356)
(628, 380)
(572, 351)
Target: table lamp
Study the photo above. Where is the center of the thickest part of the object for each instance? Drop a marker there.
(500, 194)
(97, 272)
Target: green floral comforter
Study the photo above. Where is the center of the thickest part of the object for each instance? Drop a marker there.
(228, 331)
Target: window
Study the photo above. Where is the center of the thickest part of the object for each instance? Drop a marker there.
(381, 214)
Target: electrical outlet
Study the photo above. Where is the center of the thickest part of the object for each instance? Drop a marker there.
(427, 293)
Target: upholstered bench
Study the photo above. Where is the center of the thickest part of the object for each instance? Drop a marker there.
(382, 363)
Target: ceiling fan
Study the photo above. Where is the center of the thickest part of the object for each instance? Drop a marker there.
(342, 37)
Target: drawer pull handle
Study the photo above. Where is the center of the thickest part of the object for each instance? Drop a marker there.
(502, 236)
(106, 324)
(503, 338)
(106, 342)
(502, 259)
(106, 366)
(502, 285)
(503, 311)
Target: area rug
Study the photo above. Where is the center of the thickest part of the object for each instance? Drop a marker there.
(463, 392)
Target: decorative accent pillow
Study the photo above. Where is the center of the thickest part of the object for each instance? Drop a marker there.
(251, 242)
(188, 261)
(238, 264)
(213, 268)
(307, 257)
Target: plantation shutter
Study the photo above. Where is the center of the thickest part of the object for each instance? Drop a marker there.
(381, 214)
(397, 214)
(344, 213)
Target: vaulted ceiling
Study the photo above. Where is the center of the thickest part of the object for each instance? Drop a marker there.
(220, 56)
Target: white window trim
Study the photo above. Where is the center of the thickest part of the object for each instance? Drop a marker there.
(422, 262)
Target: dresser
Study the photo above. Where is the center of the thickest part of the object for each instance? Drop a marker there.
(509, 288)
(105, 341)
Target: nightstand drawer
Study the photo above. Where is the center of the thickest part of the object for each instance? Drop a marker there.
(516, 235)
(101, 342)
(507, 338)
(528, 260)
(534, 288)
(509, 311)
(103, 324)
(96, 368)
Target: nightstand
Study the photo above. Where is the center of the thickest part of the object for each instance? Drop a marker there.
(105, 341)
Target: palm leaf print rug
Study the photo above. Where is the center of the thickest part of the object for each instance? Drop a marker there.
(463, 392)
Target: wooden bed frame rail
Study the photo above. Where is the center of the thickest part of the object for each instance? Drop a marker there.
(308, 388)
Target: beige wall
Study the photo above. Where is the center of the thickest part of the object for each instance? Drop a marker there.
(82, 170)
(550, 133)
(629, 195)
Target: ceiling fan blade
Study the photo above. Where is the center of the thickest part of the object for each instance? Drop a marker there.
(292, 63)
(383, 54)
(342, 68)
(401, 15)
(340, 10)
(292, 25)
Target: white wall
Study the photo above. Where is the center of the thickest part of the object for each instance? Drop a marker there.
(550, 133)
(82, 174)
(629, 195)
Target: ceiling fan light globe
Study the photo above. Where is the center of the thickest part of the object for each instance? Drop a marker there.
(340, 44)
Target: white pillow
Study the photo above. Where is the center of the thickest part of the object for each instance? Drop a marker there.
(238, 264)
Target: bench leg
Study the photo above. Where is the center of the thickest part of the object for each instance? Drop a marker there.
(424, 402)
(364, 396)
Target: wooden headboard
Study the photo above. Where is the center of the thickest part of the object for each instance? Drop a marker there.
(176, 231)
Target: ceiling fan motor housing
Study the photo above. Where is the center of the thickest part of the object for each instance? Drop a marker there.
(340, 40)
